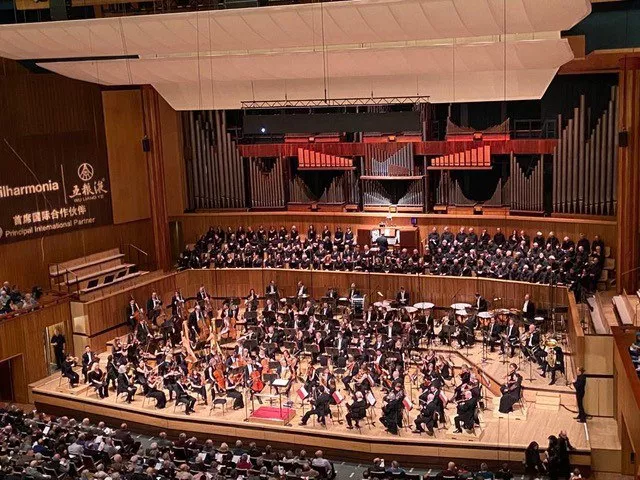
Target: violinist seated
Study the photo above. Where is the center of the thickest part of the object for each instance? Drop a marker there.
(88, 357)
(182, 396)
(125, 385)
(154, 391)
(466, 412)
(233, 381)
(67, 371)
(321, 407)
(97, 379)
(350, 371)
(428, 415)
(196, 385)
(392, 409)
(357, 410)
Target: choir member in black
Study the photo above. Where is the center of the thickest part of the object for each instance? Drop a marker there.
(154, 391)
(97, 380)
(402, 297)
(125, 385)
(466, 411)
(88, 357)
(357, 410)
(182, 396)
(58, 341)
(392, 409)
(481, 303)
(154, 306)
(554, 362)
(321, 406)
(67, 371)
(512, 390)
(528, 309)
(132, 309)
(513, 336)
(580, 385)
(427, 416)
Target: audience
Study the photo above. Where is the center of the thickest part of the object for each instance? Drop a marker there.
(541, 259)
(13, 301)
(634, 351)
(40, 447)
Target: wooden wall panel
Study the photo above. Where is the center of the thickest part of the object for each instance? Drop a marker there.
(599, 360)
(174, 167)
(194, 225)
(27, 263)
(99, 316)
(24, 335)
(127, 166)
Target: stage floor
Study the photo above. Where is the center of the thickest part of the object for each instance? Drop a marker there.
(501, 438)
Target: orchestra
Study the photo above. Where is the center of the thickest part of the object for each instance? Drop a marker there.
(320, 348)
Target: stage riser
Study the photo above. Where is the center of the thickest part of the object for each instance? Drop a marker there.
(406, 447)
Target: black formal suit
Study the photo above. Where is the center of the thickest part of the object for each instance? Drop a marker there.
(403, 298)
(321, 409)
(481, 304)
(356, 412)
(130, 312)
(427, 417)
(96, 380)
(466, 414)
(530, 311)
(67, 371)
(580, 385)
(87, 360)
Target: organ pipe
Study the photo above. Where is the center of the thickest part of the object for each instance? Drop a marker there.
(584, 167)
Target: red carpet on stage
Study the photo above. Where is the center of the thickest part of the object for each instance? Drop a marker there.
(277, 415)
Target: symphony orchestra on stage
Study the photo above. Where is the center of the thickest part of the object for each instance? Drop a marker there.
(296, 348)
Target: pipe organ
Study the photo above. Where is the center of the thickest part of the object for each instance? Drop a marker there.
(383, 194)
(388, 160)
(527, 186)
(585, 162)
(215, 171)
(342, 188)
(266, 177)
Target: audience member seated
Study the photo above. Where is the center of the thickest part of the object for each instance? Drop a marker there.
(517, 257)
(634, 351)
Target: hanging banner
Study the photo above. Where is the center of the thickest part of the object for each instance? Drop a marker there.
(52, 197)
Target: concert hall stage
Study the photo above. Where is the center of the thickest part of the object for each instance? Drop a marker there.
(502, 438)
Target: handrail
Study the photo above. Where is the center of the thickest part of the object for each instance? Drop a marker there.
(138, 249)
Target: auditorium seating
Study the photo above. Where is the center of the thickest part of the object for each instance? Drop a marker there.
(92, 272)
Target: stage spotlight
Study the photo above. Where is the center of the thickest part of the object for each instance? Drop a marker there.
(263, 130)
